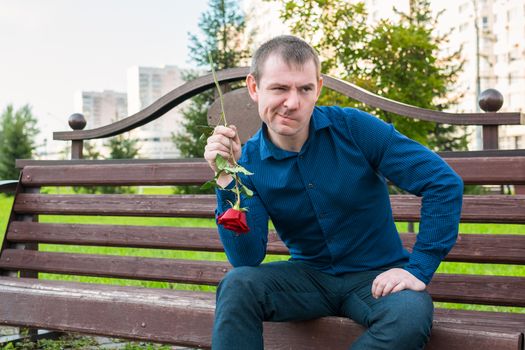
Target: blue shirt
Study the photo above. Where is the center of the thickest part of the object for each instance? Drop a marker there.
(329, 202)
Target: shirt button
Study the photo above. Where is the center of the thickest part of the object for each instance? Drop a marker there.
(310, 185)
(301, 157)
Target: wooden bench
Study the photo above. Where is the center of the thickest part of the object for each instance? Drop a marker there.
(186, 317)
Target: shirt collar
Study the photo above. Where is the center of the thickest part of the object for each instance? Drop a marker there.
(267, 149)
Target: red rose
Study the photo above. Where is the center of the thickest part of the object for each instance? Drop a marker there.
(234, 220)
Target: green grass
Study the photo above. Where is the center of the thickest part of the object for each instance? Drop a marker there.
(445, 267)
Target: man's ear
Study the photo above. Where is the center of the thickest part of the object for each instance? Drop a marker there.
(319, 86)
(251, 84)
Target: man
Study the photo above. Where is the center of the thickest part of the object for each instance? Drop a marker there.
(319, 174)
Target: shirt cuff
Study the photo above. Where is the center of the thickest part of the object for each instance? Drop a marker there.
(422, 265)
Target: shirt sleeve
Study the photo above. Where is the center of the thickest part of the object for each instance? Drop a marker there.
(247, 249)
(416, 169)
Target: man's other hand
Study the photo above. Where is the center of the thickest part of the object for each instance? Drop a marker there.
(223, 141)
(395, 280)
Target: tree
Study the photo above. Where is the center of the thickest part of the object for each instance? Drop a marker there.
(17, 139)
(399, 60)
(225, 38)
(122, 147)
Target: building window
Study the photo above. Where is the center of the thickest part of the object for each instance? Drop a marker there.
(485, 22)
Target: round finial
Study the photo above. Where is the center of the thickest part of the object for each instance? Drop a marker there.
(77, 121)
(490, 100)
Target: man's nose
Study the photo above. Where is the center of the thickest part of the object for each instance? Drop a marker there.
(292, 100)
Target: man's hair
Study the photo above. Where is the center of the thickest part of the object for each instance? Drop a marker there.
(291, 49)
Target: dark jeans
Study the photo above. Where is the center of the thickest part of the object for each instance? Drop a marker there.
(290, 290)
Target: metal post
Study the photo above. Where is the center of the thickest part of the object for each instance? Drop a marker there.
(77, 122)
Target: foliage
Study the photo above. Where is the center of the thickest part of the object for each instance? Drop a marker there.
(122, 147)
(73, 341)
(69, 341)
(399, 61)
(17, 139)
(223, 36)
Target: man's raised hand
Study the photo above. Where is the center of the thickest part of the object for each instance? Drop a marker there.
(224, 141)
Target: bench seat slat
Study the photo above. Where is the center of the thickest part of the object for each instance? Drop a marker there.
(158, 174)
(492, 290)
(489, 170)
(486, 248)
(128, 267)
(475, 289)
(486, 209)
(481, 248)
(501, 320)
(166, 316)
(482, 208)
(123, 205)
(473, 170)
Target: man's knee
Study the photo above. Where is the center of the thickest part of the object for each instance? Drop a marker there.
(406, 319)
(241, 281)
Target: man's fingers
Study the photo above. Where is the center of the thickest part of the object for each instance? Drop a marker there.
(377, 288)
(237, 139)
(400, 286)
(211, 150)
(229, 132)
(388, 287)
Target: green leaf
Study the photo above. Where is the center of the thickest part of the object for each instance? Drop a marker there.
(220, 162)
(209, 185)
(247, 191)
(236, 170)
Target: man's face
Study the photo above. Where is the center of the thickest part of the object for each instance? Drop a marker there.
(286, 96)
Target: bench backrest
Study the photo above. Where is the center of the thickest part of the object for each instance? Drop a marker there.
(20, 254)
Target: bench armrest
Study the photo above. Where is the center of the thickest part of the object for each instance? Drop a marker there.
(8, 186)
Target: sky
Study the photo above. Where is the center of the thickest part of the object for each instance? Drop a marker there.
(51, 49)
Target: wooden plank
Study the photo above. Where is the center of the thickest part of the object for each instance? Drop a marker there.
(475, 170)
(128, 267)
(491, 290)
(177, 317)
(483, 153)
(180, 238)
(482, 208)
(495, 320)
(475, 289)
(480, 248)
(123, 205)
(490, 170)
(186, 318)
(188, 173)
(485, 209)
(22, 163)
(373, 100)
